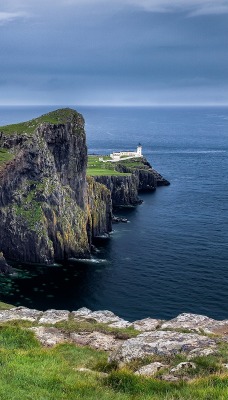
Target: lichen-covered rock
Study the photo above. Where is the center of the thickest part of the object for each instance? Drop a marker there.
(54, 316)
(49, 336)
(20, 313)
(104, 317)
(183, 366)
(150, 369)
(146, 324)
(162, 343)
(197, 323)
(95, 340)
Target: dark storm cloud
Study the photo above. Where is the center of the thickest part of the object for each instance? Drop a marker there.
(128, 52)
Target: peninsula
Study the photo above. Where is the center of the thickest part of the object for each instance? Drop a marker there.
(54, 200)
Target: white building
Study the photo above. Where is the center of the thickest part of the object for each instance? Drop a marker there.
(124, 155)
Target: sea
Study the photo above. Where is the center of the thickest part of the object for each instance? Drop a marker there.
(172, 256)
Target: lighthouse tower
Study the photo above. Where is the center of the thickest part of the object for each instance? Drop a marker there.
(139, 150)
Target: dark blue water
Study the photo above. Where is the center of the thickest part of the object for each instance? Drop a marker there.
(172, 256)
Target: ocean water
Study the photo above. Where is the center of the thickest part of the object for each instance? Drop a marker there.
(172, 256)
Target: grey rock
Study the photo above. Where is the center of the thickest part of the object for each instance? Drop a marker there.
(170, 378)
(104, 316)
(54, 316)
(197, 323)
(150, 369)
(95, 340)
(183, 366)
(147, 324)
(199, 352)
(49, 336)
(20, 313)
(82, 312)
(122, 323)
(161, 343)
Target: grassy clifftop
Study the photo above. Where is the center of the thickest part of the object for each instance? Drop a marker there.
(61, 116)
(96, 167)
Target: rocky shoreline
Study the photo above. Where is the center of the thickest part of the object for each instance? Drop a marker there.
(188, 335)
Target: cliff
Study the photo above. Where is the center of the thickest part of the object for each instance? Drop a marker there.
(45, 213)
(124, 189)
(128, 178)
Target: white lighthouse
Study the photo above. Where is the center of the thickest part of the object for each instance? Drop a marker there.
(139, 150)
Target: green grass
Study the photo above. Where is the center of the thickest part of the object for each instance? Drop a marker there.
(5, 306)
(5, 156)
(60, 116)
(31, 372)
(100, 168)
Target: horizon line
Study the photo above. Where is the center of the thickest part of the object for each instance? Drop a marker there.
(119, 105)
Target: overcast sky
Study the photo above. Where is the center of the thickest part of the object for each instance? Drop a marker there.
(117, 52)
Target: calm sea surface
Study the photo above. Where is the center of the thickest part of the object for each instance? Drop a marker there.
(173, 255)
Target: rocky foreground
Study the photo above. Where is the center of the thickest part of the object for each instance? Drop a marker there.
(153, 342)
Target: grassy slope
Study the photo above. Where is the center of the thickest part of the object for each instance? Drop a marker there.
(99, 168)
(60, 116)
(5, 156)
(30, 371)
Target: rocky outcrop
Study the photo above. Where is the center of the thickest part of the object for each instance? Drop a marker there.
(163, 343)
(139, 176)
(123, 188)
(147, 178)
(45, 213)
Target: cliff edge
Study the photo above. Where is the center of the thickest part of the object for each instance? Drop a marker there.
(45, 213)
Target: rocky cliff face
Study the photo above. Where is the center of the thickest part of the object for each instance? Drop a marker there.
(124, 189)
(44, 209)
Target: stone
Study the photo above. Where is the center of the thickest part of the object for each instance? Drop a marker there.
(81, 312)
(171, 378)
(150, 369)
(49, 336)
(122, 323)
(199, 352)
(105, 317)
(183, 366)
(54, 316)
(20, 313)
(95, 340)
(147, 324)
(197, 323)
(164, 343)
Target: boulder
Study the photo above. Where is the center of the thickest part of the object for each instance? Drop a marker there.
(20, 313)
(162, 343)
(95, 340)
(49, 336)
(197, 323)
(147, 324)
(54, 316)
(150, 369)
(183, 366)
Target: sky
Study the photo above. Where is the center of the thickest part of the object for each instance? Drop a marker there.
(114, 52)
